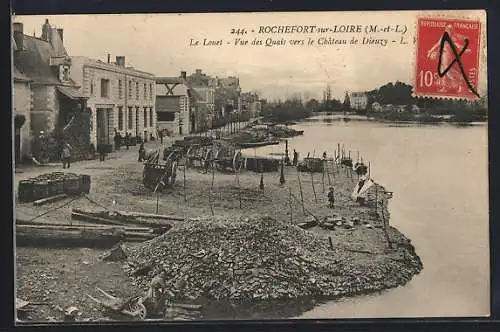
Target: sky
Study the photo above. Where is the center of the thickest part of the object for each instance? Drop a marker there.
(160, 44)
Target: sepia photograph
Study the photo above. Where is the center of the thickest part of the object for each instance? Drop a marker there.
(250, 166)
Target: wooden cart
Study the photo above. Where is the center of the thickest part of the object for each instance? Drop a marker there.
(227, 156)
(198, 155)
(158, 176)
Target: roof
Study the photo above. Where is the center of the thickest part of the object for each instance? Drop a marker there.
(34, 60)
(170, 80)
(71, 92)
(196, 95)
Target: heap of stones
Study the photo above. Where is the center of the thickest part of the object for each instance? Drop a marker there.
(253, 259)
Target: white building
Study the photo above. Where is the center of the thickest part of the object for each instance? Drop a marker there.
(359, 100)
(120, 98)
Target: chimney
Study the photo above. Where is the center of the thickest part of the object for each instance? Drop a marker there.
(109, 58)
(46, 30)
(183, 75)
(120, 61)
(18, 35)
(60, 32)
(198, 71)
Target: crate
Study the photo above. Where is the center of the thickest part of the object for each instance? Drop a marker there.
(85, 182)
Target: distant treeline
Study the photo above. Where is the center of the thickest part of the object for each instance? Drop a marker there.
(398, 93)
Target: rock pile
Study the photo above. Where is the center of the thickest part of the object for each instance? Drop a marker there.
(253, 259)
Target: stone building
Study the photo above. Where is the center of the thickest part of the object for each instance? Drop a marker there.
(359, 100)
(120, 98)
(56, 105)
(22, 105)
(180, 108)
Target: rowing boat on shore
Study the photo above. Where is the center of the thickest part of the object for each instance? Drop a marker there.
(258, 144)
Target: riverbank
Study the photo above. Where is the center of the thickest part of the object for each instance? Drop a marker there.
(63, 277)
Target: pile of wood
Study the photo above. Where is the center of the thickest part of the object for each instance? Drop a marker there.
(311, 165)
(105, 230)
(53, 184)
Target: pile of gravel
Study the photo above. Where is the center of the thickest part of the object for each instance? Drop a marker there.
(252, 259)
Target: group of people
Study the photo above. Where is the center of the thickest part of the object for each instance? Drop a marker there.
(121, 140)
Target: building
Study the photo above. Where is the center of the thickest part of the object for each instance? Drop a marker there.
(250, 102)
(22, 105)
(205, 86)
(120, 98)
(174, 104)
(228, 95)
(57, 106)
(359, 100)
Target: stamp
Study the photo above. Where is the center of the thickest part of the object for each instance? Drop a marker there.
(447, 58)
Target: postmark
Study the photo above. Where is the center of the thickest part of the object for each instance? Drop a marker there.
(447, 58)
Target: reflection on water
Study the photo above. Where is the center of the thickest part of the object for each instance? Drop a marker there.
(439, 175)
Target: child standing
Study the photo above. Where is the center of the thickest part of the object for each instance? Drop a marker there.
(331, 198)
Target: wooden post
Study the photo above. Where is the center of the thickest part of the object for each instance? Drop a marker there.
(211, 188)
(323, 174)
(291, 205)
(314, 189)
(239, 189)
(331, 242)
(369, 170)
(301, 194)
(261, 185)
(185, 198)
(282, 175)
(386, 234)
(157, 201)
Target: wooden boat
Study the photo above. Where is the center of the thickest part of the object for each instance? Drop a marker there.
(258, 144)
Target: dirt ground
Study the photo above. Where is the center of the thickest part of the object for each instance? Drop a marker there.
(63, 277)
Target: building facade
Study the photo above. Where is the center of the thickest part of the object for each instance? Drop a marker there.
(22, 102)
(174, 105)
(120, 99)
(359, 100)
(56, 100)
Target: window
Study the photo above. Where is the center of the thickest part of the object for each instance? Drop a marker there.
(151, 117)
(145, 91)
(166, 116)
(104, 88)
(120, 89)
(145, 115)
(130, 118)
(151, 91)
(137, 90)
(130, 89)
(120, 118)
(91, 87)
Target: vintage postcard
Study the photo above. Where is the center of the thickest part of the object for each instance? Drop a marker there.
(250, 166)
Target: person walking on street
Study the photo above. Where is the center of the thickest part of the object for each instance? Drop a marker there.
(331, 198)
(142, 153)
(66, 155)
(102, 153)
(127, 140)
(295, 158)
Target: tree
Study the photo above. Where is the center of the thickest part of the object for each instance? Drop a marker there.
(346, 105)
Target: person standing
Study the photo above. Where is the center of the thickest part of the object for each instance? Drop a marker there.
(331, 198)
(295, 158)
(142, 152)
(66, 155)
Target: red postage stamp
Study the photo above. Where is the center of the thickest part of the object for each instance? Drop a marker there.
(447, 58)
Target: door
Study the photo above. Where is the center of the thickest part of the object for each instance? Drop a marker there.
(102, 126)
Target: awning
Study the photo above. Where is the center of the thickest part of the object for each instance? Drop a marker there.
(71, 92)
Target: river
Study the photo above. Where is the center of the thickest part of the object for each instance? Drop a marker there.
(439, 176)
